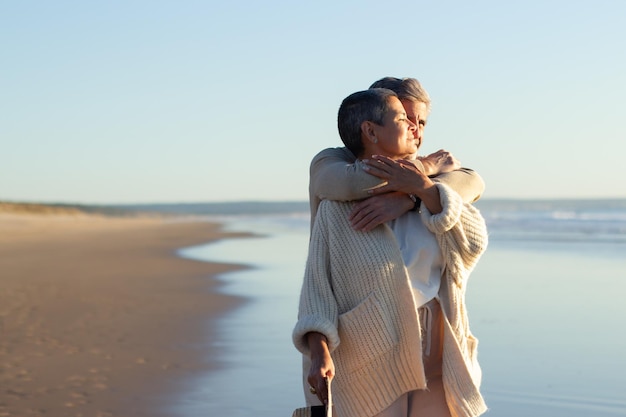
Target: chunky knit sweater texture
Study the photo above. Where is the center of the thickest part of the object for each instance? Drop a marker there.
(356, 292)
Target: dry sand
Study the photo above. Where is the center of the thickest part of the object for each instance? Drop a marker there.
(99, 317)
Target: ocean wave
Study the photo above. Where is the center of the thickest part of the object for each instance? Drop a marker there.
(557, 220)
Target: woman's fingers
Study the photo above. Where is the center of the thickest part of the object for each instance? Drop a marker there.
(322, 367)
(383, 159)
(399, 175)
(376, 168)
(318, 386)
(385, 166)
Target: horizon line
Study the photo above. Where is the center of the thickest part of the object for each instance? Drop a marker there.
(259, 201)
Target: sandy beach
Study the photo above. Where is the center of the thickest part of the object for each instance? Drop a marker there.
(98, 316)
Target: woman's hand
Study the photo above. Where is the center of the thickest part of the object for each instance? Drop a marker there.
(402, 175)
(322, 366)
(379, 209)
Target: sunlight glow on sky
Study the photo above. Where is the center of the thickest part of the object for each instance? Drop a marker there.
(155, 101)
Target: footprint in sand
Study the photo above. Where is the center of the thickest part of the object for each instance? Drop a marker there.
(78, 395)
(16, 393)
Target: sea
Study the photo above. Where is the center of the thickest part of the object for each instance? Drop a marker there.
(547, 302)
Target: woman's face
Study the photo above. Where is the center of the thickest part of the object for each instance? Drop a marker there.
(397, 137)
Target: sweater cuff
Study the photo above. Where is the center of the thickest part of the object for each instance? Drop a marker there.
(314, 323)
(450, 215)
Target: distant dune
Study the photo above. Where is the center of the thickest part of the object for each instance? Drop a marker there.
(33, 208)
(65, 209)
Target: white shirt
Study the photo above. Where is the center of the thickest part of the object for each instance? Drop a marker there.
(421, 254)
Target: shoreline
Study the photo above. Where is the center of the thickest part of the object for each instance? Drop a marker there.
(91, 321)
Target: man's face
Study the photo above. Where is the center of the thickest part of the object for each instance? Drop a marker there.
(417, 112)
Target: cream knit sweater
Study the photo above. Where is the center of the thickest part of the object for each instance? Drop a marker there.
(357, 293)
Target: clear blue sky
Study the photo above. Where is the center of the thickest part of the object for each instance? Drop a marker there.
(179, 101)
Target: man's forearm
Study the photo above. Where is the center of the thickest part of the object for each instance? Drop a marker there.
(466, 182)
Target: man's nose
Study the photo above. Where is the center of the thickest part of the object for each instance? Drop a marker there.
(418, 131)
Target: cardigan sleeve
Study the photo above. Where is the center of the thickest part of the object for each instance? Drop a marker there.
(464, 181)
(460, 230)
(318, 310)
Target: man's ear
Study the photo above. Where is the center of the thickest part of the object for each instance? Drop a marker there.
(368, 131)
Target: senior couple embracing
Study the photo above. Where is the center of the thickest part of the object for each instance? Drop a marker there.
(394, 237)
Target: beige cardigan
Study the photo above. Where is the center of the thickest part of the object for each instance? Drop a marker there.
(357, 293)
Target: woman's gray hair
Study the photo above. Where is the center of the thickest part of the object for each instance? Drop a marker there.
(370, 105)
(405, 88)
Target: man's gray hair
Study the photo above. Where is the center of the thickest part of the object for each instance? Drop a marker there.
(369, 105)
(405, 88)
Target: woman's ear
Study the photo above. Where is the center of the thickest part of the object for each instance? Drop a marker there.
(368, 131)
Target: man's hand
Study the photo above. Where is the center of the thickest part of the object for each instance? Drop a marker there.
(439, 162)
(377, 210)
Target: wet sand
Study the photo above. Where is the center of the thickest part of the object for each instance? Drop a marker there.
(99, 316)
